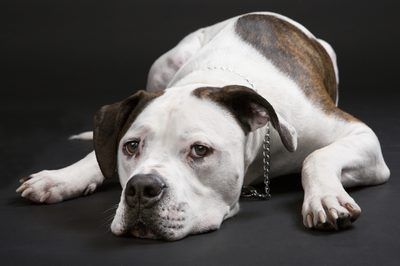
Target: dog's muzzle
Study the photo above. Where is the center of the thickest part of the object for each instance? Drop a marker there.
(144, 189)
(150, 212)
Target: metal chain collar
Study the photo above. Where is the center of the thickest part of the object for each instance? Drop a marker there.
(250, 191)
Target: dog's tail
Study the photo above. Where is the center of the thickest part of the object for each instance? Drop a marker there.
(87, 135)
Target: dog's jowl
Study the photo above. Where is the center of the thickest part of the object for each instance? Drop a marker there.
(184, 148)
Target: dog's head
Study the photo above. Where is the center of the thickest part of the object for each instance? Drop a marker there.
(180, 156)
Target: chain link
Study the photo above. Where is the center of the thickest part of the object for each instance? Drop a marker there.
(250, 191)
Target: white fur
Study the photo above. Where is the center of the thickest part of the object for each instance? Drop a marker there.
(331, 152)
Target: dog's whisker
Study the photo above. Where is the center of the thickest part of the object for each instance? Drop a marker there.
(107, 222)
(113, 208)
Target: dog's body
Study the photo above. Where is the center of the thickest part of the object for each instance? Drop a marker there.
(199, 140)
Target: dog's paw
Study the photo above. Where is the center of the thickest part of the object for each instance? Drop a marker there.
(330, 211)
(51, 187)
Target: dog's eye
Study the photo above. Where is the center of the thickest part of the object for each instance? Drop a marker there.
(130, 148)
(199, 151)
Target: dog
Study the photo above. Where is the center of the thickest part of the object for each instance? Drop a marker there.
(184, 148)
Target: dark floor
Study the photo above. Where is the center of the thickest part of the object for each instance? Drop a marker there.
(63, 61)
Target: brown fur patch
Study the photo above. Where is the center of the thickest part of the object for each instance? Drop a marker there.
(294, 53)
(111, 123)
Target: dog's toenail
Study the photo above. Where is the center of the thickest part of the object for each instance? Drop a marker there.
(309, 221)
(321, 217)
(334, 214)
(349, 206)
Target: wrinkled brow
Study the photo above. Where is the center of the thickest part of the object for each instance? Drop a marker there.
(197, 135)
(137, 131)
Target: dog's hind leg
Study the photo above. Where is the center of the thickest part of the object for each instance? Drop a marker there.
(165, 67)
(51, 186)
(353, 159)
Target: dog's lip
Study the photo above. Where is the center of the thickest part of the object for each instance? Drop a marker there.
(141, 230)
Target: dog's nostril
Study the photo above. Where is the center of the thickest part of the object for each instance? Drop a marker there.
(152, 191)
(131, 191)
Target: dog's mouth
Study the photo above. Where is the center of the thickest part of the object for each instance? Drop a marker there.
(168, 226)
(141, 230)
(165, 222)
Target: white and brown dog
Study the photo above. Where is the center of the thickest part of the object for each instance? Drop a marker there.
(184, 148)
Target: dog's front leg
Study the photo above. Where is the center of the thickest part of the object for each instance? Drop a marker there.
(51, 186)
(352, 160)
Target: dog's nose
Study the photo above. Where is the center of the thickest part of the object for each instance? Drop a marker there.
(144, 188)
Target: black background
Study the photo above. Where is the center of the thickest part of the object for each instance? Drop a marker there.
(61, 60)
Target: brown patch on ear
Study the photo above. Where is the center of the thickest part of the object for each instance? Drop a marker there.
(110, 124)
(302, 58)
(250, 109)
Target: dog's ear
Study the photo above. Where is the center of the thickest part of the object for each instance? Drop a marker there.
(111, 122)
(251, 110)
